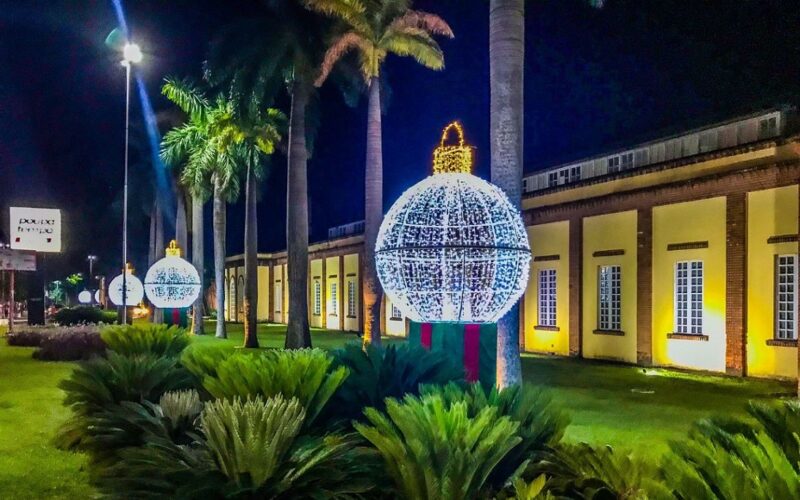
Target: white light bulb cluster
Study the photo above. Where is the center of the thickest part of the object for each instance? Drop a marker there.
(172, 283)
(453, 248)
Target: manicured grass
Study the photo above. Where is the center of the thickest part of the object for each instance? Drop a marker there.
(30, 413)
(627, 407)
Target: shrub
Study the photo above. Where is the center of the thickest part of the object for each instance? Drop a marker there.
(305, 374)
(377, 374)
(434, 448)
(732, 459)
(69, 316)
(28, 337)
(158, 340)
(101, 383)
(203, 361)
(71, 345)
(541, 422)
(249, 449)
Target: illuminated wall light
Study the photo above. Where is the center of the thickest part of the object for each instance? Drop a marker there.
(453, 247)
(172, 282)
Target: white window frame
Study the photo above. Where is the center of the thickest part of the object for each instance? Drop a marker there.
(351, 298)
(396, 313)
(613, 164)
(609, 298)
(334, 299)
(688, 297)
(317, 311)
(547, 294)
(278, 298)
(626, 161)
(786, 297)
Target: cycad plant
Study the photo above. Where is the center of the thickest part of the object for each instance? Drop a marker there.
(158, 340)
(374, 29)
(247, 448)
(432, 448)
(306, 374)
(739, 459)
(541, 422)
(379, 373)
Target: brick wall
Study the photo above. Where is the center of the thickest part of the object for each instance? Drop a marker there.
(644, 286)
(736, 284)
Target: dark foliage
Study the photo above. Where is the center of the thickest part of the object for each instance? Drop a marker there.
(71, 345)
(84, 315)
(27, 338)
(380, 373)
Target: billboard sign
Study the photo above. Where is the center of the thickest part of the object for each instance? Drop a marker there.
(37, 229)
(14, 260)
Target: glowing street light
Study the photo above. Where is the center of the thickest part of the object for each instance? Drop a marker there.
(131, 54)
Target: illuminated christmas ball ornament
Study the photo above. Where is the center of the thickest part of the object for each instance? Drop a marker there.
(135, 290)
(172, 282)
(85, 297)
(97, 296)
(453, 248)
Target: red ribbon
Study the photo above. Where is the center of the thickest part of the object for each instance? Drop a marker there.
(472, 351)
(425, 335)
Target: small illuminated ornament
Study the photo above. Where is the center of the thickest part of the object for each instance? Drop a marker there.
(97, 296)
(172, 282)
(85, 297)
(453, 247)
(135, 290)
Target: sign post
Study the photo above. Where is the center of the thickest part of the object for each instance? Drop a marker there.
(37, 230)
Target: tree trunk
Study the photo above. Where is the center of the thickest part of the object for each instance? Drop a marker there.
(156, 249)
(250, 262)
(219, 257)
(198, 261)
(373, 214)
(181, 231)
(506, 60)
(297, 333)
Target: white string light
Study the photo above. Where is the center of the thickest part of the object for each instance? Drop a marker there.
(453, 248)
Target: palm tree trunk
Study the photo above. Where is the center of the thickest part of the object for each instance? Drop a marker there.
(181, 230)
(156, 249)
(198, 261)
(506, 60)
(250, 262)
(219, 257)
(373, 214)
(297, 333)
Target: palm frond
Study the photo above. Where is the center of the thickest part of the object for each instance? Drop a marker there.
(416, 43)
(426, 21)
(187, 96)
(341, 46)
(351, 12)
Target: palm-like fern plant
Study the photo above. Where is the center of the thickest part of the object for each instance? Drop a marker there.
(306, 374)
(247, 449)
(216, 147)
(433, 448)
(373, 29)
(158, 340)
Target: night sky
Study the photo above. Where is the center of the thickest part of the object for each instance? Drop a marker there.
(595, 79)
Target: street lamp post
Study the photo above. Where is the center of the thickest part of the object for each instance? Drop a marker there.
(131, 54)
(92, 259)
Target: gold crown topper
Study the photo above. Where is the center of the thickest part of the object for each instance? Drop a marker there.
(173, 250)
(452, 158)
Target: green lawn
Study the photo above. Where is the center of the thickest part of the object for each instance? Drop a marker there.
(627, 407)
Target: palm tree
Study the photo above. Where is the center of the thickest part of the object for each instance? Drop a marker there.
(378, 29)
(506, 64)
(254, 57)
(216, 146)
(506, 68)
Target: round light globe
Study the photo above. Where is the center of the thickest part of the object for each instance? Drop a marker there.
(85, 297)
(135, 292)
(453, 247)
(172, 282)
